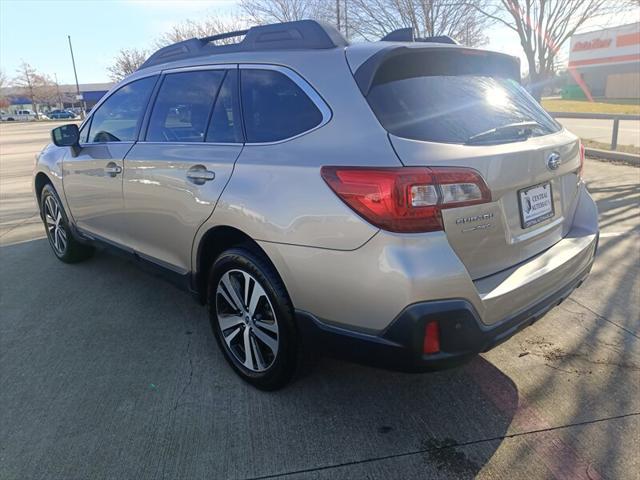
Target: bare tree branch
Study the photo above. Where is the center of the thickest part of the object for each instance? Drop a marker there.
(37, 87)
(544, 26)
(127, 61)
(466, 21)
(4, 81)
(273, 11)
(206, 27)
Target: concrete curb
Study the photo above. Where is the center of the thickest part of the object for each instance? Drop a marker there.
(617, 156)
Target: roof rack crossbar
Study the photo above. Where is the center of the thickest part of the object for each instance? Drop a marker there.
(399, 35)
(407, 35)
(222, 36)
(301, 34)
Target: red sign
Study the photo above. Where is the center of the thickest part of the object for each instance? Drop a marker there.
(592, 44)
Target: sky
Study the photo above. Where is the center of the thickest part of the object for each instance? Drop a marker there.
(36, 31)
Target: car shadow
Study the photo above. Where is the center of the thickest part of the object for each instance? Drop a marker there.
(102, 350)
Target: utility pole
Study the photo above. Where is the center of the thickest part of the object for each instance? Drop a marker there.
(78, 95)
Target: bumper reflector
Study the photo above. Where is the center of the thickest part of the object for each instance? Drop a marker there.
(431, 338)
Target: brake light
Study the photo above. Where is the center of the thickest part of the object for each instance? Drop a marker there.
(406, 199)
(431, 342)
(581, 169)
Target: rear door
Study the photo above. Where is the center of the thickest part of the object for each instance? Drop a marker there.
(175, 176)
(93, 178)
(458, 107)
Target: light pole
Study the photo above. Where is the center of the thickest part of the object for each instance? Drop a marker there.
(75, 74)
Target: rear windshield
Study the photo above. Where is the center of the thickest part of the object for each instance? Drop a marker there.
(449, 104)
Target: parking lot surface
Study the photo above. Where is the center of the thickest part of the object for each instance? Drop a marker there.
(600, 130)
(107, 372)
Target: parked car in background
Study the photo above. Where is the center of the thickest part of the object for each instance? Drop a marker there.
(61, 114)
(405, 204)
(19, 116)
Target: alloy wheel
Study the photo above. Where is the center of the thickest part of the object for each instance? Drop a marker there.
(55, 227)
(247, 320)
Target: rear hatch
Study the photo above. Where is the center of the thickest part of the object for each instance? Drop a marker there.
(465, 108)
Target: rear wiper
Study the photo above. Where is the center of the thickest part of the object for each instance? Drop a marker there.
(522, 131)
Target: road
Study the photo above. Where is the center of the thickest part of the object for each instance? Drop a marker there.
(107, 372)
(600, 130)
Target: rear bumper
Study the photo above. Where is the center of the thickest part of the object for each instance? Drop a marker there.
(400, 346)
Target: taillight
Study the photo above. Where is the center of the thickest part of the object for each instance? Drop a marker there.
(406, 199)
(581, 169)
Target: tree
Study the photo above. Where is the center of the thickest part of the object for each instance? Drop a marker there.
(4, 101)
(127, 61)
(36, 86)
(26, 80)
(206, 27)
(273, 11)
(462, 20)
(544, 26)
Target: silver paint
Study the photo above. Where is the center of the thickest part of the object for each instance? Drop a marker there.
(334, 264)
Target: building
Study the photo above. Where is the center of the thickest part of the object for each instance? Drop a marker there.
(607, 62)
(60, 96)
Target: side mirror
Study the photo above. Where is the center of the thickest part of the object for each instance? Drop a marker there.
(66, 135)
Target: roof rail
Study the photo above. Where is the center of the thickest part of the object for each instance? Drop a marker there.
(406, 35)
(298, 35)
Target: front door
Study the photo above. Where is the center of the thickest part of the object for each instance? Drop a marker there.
(174, 177)
(93, 178)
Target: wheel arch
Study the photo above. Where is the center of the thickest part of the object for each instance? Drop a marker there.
(41, 179)
(215, 241)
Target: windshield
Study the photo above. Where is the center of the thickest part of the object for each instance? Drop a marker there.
(455, 108)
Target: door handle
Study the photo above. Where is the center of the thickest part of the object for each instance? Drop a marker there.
(112, 169)
(199, 174)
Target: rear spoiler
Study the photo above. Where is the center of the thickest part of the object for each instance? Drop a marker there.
(398, 61)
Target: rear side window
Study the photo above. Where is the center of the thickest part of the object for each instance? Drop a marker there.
(118, 118)
(275, 107)
(183, 105)
(453, 99)
(225, 125)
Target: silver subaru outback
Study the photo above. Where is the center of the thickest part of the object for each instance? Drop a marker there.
(403, 203)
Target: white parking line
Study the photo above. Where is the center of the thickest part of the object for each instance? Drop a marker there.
(614, 234)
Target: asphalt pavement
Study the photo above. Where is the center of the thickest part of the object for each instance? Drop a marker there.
(107, 372)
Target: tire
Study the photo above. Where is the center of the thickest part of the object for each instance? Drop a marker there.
(56, 224)
(265, 321)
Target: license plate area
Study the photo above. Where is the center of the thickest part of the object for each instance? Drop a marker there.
(536, 204)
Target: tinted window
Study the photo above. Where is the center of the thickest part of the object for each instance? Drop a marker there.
(450, 96)
(452, 109)
(274, 107)
(183, 105)
(118, 118)
(225, 121)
